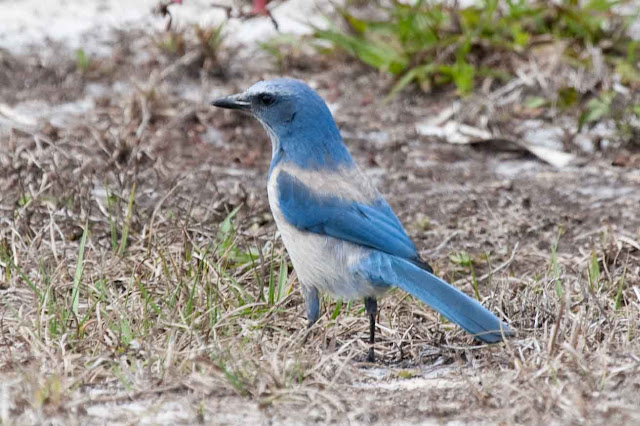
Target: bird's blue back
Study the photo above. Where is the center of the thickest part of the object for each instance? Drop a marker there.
(311, 142)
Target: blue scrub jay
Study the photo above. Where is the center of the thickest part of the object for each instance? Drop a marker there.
(341, 235)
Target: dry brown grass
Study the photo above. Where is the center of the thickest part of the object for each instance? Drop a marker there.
(173, 321)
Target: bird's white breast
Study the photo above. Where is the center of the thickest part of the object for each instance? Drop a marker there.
(320, 261)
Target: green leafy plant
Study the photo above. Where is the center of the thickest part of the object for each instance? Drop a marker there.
(623, 111)
(597, 108)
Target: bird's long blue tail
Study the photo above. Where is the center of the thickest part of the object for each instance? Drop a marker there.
(388, 270)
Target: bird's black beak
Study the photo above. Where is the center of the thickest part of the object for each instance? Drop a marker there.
(238, 101)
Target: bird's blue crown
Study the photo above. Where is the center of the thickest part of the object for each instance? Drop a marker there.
(300, 125)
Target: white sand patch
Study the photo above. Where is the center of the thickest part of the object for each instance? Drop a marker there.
(90, 24)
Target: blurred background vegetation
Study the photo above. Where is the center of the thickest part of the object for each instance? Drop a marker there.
(435, 46)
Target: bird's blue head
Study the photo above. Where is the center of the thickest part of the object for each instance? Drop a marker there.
(300, 125)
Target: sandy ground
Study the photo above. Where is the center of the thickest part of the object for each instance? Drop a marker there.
(90, 25)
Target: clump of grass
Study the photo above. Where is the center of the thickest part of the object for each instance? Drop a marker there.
(172, 43)
(210, 41)
(199, 47)
(286, 50)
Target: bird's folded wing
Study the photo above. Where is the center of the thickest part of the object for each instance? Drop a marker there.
(372, 225)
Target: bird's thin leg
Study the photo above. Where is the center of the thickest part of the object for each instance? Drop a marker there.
(312, 302)
(371, 306)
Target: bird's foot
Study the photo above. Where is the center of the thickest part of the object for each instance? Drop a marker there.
(371, 356)
(307, 333)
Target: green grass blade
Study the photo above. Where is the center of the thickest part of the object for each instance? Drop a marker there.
(555, 267)
(127, 223)
(272, 284)
(147, 297)
(337, 309)
(618, 300)
(26, 279)
(418, 73)
(111, 204)
(282, 278)
(594, 271)
(77, 277)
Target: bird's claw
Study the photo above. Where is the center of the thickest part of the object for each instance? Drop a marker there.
(371, 357)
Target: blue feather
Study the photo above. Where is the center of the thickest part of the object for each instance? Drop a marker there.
(384, 270)
(371, 225)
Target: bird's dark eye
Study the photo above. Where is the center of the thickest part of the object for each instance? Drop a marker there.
(266, 99)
